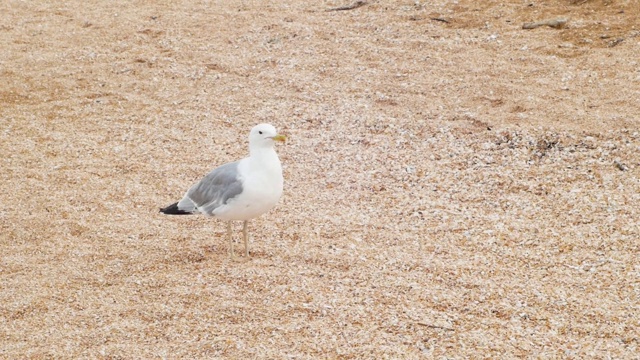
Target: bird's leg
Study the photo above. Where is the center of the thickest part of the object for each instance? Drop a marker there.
(246, 239)
(230, 239)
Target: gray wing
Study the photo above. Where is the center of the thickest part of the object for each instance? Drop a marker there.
(215, 189)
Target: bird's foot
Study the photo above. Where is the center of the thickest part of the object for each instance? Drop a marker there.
(239, 258)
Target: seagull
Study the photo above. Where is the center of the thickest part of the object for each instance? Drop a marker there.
(240, 190)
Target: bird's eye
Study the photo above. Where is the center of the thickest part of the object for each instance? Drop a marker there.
(260, 132)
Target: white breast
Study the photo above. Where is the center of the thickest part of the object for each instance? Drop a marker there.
(262, 184)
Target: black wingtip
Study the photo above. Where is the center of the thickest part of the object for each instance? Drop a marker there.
(173, 210)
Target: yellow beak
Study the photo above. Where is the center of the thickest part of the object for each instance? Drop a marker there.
(279, 137)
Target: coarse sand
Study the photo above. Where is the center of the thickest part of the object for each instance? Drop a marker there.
(456, 186)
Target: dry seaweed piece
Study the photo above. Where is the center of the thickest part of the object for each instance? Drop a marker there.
(355, 5)
(554, 23)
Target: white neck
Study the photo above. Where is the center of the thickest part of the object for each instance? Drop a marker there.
(265, 157)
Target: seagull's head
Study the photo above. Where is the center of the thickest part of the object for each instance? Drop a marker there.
(264, 135)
